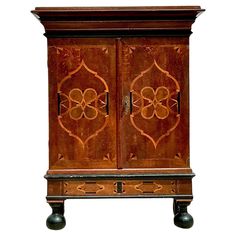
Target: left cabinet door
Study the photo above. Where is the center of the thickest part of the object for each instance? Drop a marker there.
(82, 103)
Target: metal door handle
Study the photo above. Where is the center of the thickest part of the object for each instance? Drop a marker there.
(58, 104)
(128, 104)
(178, 102)
(107, 103)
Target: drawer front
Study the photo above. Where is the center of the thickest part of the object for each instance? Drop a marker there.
(74, 188)
(149, 187)
(119, 187)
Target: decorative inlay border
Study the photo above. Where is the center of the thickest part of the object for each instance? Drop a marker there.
(83, 188)
(82, 64)
(148, 187)
(86, 104)
(121, 187)
(151, 103)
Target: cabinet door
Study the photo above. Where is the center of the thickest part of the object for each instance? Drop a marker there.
(82, 97)
(154, 127)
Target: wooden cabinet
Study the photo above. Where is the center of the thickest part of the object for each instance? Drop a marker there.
(118, 105)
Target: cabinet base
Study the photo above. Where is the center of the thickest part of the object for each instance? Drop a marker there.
(182, 218)
(176, 186)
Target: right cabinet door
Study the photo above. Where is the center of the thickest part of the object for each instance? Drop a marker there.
(154, 93)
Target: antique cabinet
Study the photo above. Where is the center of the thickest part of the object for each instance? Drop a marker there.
(118, 105)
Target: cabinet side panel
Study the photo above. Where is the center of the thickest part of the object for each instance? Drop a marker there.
(82, 100)
(154, 128)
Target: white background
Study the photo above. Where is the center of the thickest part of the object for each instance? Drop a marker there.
(24, 131)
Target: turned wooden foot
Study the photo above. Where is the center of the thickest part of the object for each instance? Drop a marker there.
(56, 220)
(182, 218)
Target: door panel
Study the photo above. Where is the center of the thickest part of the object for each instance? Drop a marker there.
(154, 129)
(82, 98)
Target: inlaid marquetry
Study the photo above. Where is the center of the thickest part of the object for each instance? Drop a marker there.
(118, 105)
(155, 102)
(83, 104)
(122, 187)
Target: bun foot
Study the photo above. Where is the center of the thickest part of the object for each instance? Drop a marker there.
(182, 218)
(56, 220)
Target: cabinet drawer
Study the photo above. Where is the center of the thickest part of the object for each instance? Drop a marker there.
(100, 188)
(149, 187)
(119, 187)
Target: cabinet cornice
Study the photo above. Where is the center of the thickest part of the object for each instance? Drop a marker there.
(117, 21)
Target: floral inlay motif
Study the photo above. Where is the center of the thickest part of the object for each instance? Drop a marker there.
(83, 105)
(154, 99)
(160, 102)
(83, 101)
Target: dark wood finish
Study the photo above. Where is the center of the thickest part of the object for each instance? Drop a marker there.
(120, 176)
(118, 105)
(114, 21)
(182, 218)
(56, 220)
(180, 171)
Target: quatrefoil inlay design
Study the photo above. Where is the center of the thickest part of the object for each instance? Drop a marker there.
(154, 100)
(83, 101)
(158, 105)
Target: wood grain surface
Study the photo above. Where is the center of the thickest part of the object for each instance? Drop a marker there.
(118, 100)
